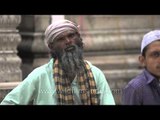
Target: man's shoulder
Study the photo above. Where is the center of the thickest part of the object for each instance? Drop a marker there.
(41, 69)
(138, 81)
(93, 67)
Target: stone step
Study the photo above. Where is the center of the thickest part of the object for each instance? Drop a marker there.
(8, 85)
(105, 62)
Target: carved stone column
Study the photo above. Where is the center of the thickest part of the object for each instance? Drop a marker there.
(112, 42)
(10, 72)
(32, 49)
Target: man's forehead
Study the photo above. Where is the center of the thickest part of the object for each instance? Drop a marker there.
(65, 33)
(154, 45)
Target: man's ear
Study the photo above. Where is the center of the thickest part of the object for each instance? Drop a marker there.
(142, 61)
(51, 47)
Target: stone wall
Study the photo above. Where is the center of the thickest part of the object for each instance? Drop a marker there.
(32, 49)
(10, 72)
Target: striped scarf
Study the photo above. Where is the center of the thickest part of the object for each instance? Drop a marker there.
(87, 85)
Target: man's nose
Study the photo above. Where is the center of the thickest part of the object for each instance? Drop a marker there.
(68, 41)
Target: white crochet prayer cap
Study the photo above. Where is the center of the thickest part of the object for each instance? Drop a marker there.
(149, 38)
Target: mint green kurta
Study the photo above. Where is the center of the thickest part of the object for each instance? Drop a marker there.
(39, 87)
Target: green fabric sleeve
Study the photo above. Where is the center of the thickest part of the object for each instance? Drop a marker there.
(23, 93)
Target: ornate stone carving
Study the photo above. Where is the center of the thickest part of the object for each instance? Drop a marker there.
(9, 22)
(9, 61)
(32, 49)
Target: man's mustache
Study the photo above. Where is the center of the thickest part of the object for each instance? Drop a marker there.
(70, 48)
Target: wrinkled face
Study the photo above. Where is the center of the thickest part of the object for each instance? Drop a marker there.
(152, 58)
(65, 40)
(67, 48)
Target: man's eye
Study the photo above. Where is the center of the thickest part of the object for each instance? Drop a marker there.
(71, 35)
(60, 39)
(156, 54)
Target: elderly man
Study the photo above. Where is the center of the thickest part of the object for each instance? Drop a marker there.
(67, 79)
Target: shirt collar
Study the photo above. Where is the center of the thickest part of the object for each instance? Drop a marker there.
(148, 76)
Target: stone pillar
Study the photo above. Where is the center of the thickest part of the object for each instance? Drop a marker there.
(32, 49)
(112, 43)
(10, 72)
